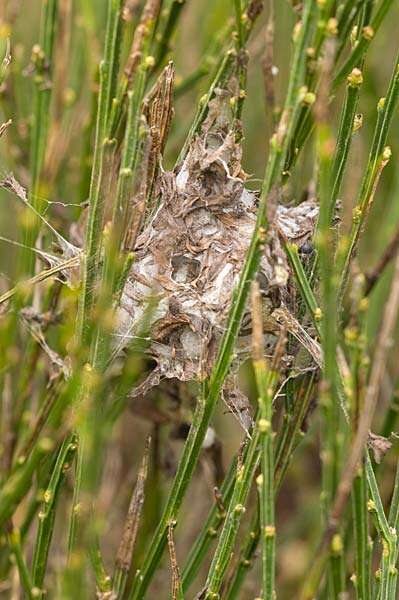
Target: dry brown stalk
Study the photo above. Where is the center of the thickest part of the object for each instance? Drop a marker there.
(176, 579)
(126, 547)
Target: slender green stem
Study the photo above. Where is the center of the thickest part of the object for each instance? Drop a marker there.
(93, 243)
(171, 16)
(42, 58)
(266, 378)
(391, 415)
(388, 536)
(207, 402)
(266, 480)
(246, 558)
(346, 19)
(379, 156)
(48, 510)
(226, 67)
(108, 69)
(15, 488)
(244, 478)
(365, 40)
(393, 521)
(290, 434)
(332, 417)
(209, 530)
(362, 546)
(355, 336)
(303, 284)
(103, 580)
(345, 134)
(24, 575)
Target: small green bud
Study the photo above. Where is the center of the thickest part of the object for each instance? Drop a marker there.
(386, 154)
(368, 33)
(355, 78)
(332, 27)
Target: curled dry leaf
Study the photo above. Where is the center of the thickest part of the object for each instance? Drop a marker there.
(379, 445)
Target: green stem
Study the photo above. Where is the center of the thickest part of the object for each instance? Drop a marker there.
(244, 478)
(26, 582)
(15, 488)
(378, 158)
(332, 417)
(42, 57)
(303, 284)
(227, 66)
(207, 402)
(172, 15)
(388, 536)
(344, 137)
(48, 510)
(209, 530)
(266, 480)
(393, 521)
(93, 246)
(246, 558)
(362, 546)
(94, 231)
(391, 416)
(103, 580)
(290, 434)
(361, 47)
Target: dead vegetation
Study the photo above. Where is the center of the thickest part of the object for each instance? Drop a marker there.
(155, 290)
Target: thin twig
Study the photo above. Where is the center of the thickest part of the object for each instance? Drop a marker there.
(129, 535)
(388, 255)
(383, 344)
(177, 590)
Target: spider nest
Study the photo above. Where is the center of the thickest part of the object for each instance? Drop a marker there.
(190, 254)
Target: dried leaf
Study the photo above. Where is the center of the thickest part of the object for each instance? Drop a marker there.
(58, 365)
(292, 325)
(239, 405)
(125, 551)
(11, 184)
(5, 126)
(379, 445)
(177, 592)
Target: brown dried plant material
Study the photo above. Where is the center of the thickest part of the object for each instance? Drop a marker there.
(191, 252)
(158, 111)
(125, 550)
(5, 126)
(379, 445)
(131, 9)
(150, 11)
(176, 578)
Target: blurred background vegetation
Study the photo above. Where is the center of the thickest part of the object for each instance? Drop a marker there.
(65, 186)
